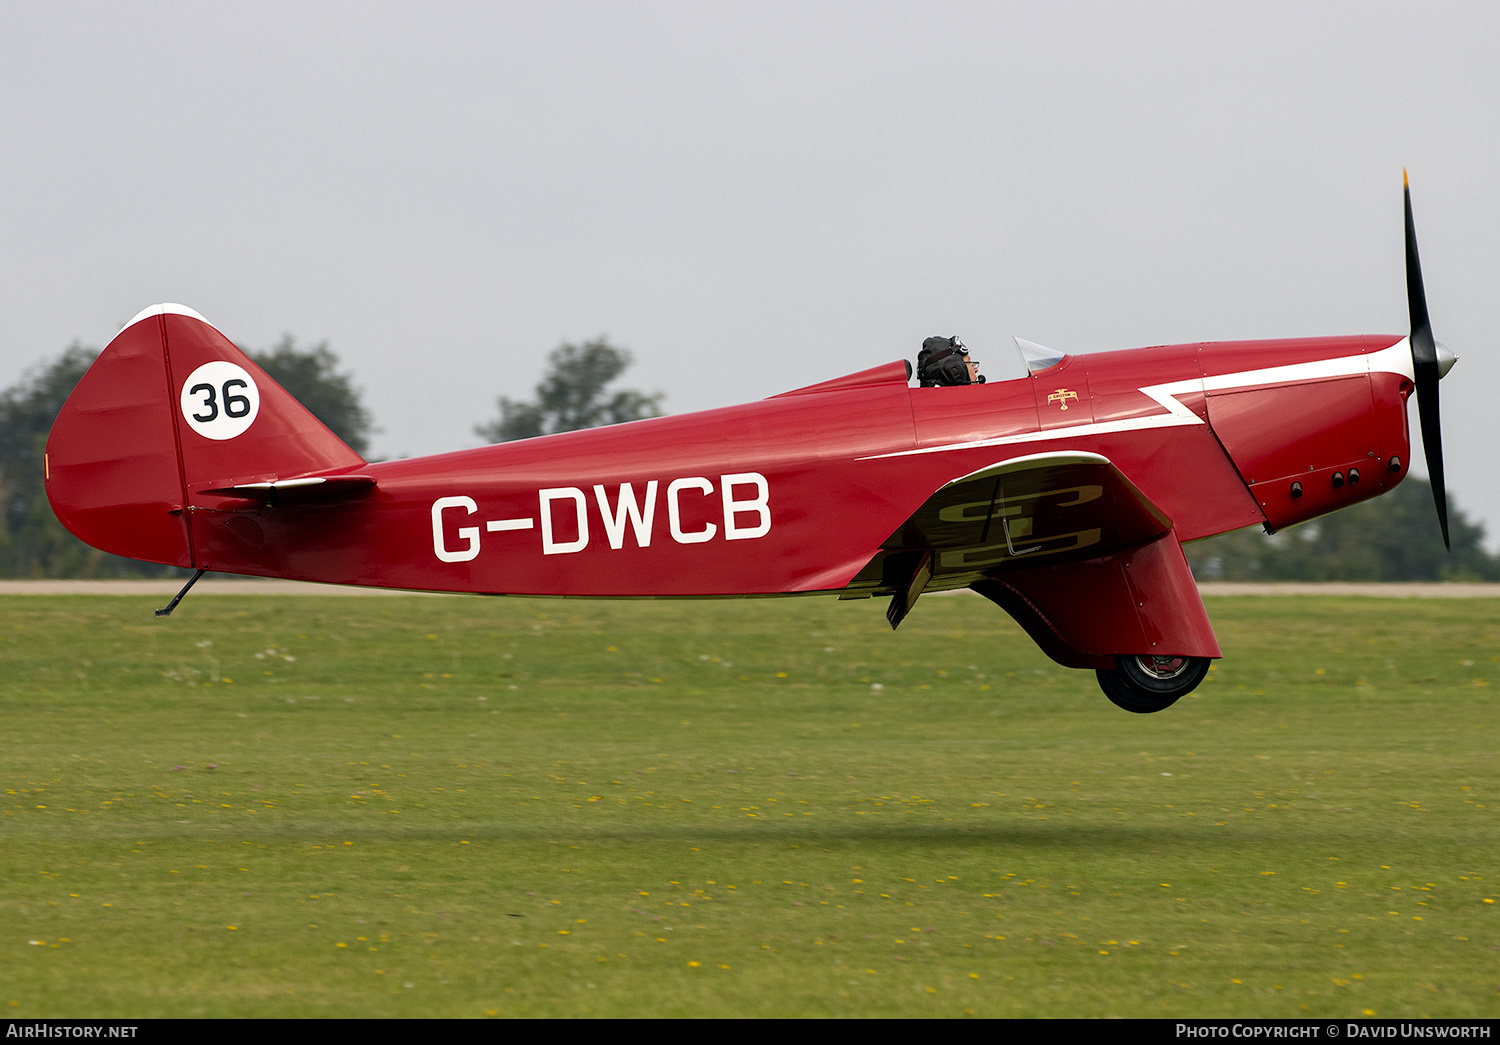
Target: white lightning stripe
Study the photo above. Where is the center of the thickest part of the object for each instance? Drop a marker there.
(1393, 360)
(499, 525)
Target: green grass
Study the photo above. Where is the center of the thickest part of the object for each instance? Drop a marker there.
(315, 806)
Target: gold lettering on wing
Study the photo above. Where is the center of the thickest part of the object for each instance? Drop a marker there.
(1061, 397)
(975, 558)
(974, 511)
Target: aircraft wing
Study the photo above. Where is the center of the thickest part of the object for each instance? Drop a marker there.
(1067, 545)
(1029, 508)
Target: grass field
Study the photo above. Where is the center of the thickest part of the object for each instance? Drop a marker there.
(320, 806)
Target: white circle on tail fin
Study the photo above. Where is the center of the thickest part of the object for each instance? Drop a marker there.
(220, 399)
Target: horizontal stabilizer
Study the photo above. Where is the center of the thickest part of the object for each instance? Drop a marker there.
(298, 490)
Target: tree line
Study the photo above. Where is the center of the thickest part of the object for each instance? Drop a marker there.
(1394, 538)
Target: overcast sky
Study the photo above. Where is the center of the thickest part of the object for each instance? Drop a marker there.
(751, 197)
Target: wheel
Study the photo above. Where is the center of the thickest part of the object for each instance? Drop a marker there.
(1143, 684)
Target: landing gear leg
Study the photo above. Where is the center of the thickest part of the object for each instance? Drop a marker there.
(1143, 684)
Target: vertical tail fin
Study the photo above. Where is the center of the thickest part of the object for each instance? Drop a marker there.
(169, 409)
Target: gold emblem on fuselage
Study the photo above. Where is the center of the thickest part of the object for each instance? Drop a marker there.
(1061, 397)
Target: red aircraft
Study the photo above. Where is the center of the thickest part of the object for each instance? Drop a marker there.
(1064, 496)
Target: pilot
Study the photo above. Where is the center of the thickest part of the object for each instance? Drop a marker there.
(945, 361)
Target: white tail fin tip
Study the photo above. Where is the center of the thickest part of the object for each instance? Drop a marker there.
(165, 309)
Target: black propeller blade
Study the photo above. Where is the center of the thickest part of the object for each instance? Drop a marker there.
(1426, 366)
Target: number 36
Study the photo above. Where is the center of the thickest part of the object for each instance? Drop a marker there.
(234, 405)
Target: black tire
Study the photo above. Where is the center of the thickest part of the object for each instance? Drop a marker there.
(1145, 684)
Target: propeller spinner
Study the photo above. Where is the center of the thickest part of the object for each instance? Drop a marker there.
(1430, 363)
